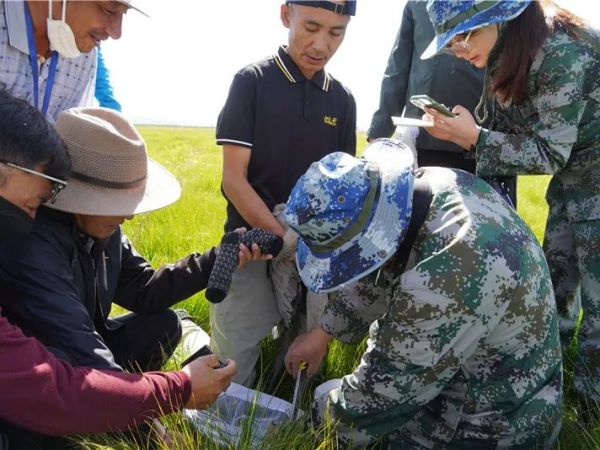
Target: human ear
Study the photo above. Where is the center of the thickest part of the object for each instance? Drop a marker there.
(285, 15)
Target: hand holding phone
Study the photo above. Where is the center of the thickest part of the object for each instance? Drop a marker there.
(425, 101)
(207, 381)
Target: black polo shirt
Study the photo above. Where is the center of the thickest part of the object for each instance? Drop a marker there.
(287, 121)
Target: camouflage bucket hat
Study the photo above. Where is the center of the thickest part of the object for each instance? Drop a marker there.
(452, 17)
(351, 213)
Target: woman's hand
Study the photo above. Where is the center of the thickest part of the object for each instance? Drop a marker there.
(462, 129)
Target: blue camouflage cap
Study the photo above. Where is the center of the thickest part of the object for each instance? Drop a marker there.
(452, 17)
(351, 213)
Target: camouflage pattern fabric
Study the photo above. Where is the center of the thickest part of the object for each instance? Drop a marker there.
(452, 17)
(350, 213)
(557, 131)
(463, 348)
(573, 254)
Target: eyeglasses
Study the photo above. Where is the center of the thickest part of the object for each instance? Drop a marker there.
(460, 42)
(57, 184)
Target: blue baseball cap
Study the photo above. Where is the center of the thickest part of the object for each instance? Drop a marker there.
(452, 17)
(351, 213)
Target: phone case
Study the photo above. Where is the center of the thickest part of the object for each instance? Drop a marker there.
(422, 101)
(203, 351)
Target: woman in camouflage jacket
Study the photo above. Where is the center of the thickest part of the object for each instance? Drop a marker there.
(543, 64)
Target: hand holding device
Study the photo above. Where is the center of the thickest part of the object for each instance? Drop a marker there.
(203, 351)
(307, 349)
(462, 129)
(209, 378)
(425, 101)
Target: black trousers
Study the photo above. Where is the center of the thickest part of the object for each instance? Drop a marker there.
(15, 438)
(140, 343)
(144, 342)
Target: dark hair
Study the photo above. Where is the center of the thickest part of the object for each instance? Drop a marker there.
(520, 41)
(27, 139)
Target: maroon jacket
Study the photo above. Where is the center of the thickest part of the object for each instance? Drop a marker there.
(43, 394)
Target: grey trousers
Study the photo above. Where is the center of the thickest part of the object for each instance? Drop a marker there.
(244, 318)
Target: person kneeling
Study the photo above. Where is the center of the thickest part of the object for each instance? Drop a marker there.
(454, 292)
(62, 279)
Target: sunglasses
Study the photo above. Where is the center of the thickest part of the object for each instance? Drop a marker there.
(57, 184)
(458, 42)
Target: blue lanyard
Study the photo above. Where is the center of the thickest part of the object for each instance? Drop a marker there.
(34, 67)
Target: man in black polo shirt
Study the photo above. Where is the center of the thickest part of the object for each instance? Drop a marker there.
(281, 115)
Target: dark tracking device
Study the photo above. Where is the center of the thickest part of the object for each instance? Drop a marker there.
(425, 101)
(226, 261)
(203, 351)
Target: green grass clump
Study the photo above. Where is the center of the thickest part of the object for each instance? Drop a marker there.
(195, 223)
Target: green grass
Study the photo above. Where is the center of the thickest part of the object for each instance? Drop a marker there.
(195, 223)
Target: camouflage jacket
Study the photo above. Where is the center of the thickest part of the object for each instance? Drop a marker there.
(463, 346)
(556, 130)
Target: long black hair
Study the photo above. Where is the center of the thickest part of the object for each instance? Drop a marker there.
(520, 41)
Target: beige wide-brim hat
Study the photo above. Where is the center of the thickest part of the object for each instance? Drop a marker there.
(112, 174)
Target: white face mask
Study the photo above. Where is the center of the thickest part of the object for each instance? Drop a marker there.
(60, 35)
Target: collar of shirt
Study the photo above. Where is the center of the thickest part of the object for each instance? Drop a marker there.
(84, 241)
(87, 242)
(292, 72)
(15, 23)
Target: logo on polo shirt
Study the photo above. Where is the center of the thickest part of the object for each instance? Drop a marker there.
(331, 121)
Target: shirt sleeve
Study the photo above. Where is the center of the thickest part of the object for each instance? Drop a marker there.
(348, 142)
(235, 124)
(549, 126)
(144, 290)
(77, 400)
(104, 91)
(350, 311)
(395, 80)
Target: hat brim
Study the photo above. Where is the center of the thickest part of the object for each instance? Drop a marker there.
(499, 13)
(130, 6)
(378, 242)
(161, 189)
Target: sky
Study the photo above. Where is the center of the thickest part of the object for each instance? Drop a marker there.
(175, 67)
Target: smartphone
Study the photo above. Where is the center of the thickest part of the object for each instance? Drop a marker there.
(423, 101)
(204, 351)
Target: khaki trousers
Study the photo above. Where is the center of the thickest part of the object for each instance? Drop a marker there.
(246, 316)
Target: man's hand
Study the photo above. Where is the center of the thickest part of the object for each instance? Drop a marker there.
(309, 347)
(208, 381)
(462, 129)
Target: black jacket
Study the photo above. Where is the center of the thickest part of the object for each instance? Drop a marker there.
(55, 287)
(447, 79)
